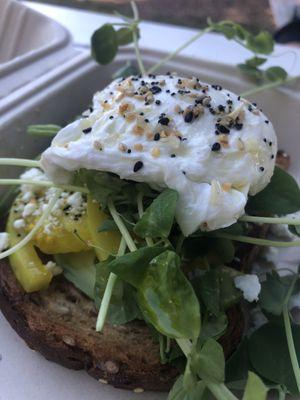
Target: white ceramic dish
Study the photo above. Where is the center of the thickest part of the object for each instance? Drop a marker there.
(57, 97)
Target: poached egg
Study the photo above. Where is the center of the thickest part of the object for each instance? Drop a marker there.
(210, 145)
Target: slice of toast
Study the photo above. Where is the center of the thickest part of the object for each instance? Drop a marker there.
(60, 324)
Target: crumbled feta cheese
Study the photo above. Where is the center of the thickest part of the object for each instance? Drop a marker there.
(28, 210)
(54, 268)
(34, 174)
(19, 224)
(75, 200)
(27, 196)
(249, 285)
(4, 241)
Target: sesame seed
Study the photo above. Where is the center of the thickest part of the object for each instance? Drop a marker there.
(87, 130)
(155, 152)
(156, 136)
(138, 147)
(216, 147)
(137, 166)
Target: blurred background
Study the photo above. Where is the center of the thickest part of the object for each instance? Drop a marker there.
(282, 17)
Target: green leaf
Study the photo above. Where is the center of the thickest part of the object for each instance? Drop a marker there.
(168, 300)
(209, 361)
(79, 268)
(238, 365)
(256, 61)
(281, 196)
(251, 71)
(178, 392)
(255, 388)
(229, 294)
(127, 70)
(132, 267)
(269, 354)
(124, 36)
(208, 288)
(273, 293)
(104, 44)
(123, 307)
(262, 43)
(108, 225)
(213, 327)
(189, 378)
(158, 219)
(274, 74)
(295, 229)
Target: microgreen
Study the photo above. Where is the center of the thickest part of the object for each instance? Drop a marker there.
(49, 130)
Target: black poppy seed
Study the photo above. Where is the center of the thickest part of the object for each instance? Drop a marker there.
(179, 81)
(91, 109)
(147, 103)
(113, 92)
(266, 121)
(270, 143)
(136, 93)
(129, 151)
(265, 140)
(87, 130)
(189, 116)
(183, 172)
(141, 113)
(164, 121)
(173, 94)
(111, 117)
(217, 132)
(229, 102)
(254, 104)
(143, 83)
(146, 120)
(239, 98)
(261, 169)
(216, 147)
(156, 137)
(212, 111)
(222, 129)
(179, 137)
(137, 166)
(184, 139)
(173, 155)
(157, 102)
(272, 156)
(216, 87)
(221, 107)
(155, 89)
(250, 108)
(238, 126)
(167, 91)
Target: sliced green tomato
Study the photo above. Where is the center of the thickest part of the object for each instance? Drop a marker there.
(106, 242)
(26, 264)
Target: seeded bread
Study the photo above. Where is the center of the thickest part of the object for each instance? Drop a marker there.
(60, 324)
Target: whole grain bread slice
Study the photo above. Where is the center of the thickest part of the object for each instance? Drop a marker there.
(60, 324)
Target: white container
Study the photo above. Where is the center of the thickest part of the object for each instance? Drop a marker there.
(57, 96)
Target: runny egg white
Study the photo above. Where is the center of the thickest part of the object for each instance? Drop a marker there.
(207, 143)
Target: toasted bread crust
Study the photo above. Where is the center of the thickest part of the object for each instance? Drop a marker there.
(59, 323)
